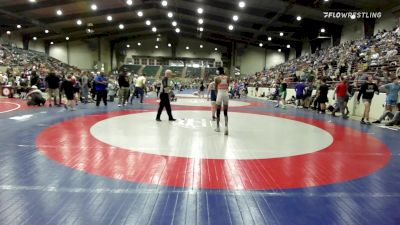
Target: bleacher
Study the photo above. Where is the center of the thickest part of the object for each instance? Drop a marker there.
(193, 72)
(211, 71)
(12, 56)
(131, 68)
(151, 70)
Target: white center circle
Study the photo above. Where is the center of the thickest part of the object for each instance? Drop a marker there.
(251, 136)
(203, 102)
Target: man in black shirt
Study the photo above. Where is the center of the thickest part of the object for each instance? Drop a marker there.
(323, 95)
(367, 92)
(164, 97)
(123, 82)
(53, 85)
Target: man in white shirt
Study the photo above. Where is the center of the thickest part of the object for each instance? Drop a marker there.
(140, 85)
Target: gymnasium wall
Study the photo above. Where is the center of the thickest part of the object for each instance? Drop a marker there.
(37, 45)
(59, 51)
(148, 48)
(388, 21)
(306, 48)
(13, 38)
(326, 43)
(274, 58)
(255, 59)
(251, 60)
(352, 31)
(82, 54)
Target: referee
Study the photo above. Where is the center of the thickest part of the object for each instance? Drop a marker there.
(164, 97)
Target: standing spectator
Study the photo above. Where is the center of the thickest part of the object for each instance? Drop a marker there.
(34, 79)
(158, 87)
(68, 88)
(85, 88)
(53, 88)
(322, 96)
(101, 84)
(140, 85)
(201, 90)
(212, 94)
(299, 88)
(367, 92)
(123, 95)
(164, 97)
(341, 94)
(282, 93)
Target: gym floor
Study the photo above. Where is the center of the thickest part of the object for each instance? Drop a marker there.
(111, 165)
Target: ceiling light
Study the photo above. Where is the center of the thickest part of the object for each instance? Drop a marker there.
(156, 46)
(128, 46)
(216, 49)
(242, 4)
(59, 12)
(287, 46)
(109, 18)
(174, 23)
(79, 22)
(200, 10)
(201, 29)
(279, 50)
(121, 26)
(33, 1)
(298, 18)
(148, 22)
(230, 27)
(281, 34)
(34, 38)
(169, 45)
(170, 14)
(140, 14)
(46, 31)
(269, 38)
(67, 38)
(93, 7)
(129, 2)
(201, 21)
(322, 30)
(187, 48)
(52, 43)
(201, 46)
(164, 3)
(19, 26)
(326, 0)
(139, 44)
(177, 30)
(235, 18)
(261, 44)
(154, 29)
(8, 32)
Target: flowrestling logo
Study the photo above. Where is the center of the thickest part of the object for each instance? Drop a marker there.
(352, 15)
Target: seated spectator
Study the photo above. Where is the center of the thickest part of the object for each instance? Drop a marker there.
(395, 120)
(35, 97)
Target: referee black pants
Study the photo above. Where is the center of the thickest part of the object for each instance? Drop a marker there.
(164, 97)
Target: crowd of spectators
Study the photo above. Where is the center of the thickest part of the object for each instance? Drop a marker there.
(378, 55)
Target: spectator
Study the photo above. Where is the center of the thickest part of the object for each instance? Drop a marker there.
(53, 82)
(101, 84)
